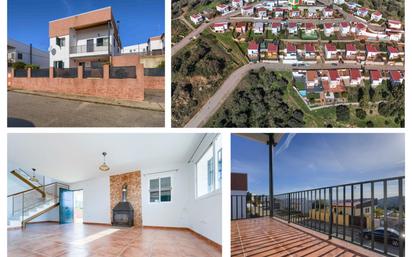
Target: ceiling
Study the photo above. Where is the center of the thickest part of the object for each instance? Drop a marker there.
(262, 137)
(75, 157)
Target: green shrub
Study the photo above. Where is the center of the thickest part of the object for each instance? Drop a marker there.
(19, 65)
(360, 113)
(32, 66)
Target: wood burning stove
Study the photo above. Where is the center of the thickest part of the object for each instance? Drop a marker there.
(123, 213)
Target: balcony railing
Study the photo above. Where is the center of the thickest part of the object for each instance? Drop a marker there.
(369, 213)
(91, 48)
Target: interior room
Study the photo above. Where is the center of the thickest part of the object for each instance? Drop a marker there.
(114, 194)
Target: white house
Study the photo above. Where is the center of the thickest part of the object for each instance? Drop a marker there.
(290, 52)
(328, 29)
(362, 12)
(258, 27)
(20, 52)
(310, 52)
(156, 44)
(394, 24)
(196, 18)
(253, 50)
(142, 48)
(237, 3)
(292, 28)
(393, 52)
(327, 12)
(395, 77)
(261, 12)
(376, 78)
(344, 28)
(330, 51)
(87, 39)
(376, 16)
(222, 8)
(247, 10)
(220, 27)
(355, 77)
(275, 28)
(360, 29)
(371, 51)
(312, 79)
(351, 51)
(279, 12)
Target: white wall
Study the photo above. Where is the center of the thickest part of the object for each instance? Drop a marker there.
(62, 53)
(96, 199)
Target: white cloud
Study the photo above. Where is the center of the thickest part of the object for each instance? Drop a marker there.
(286, 144)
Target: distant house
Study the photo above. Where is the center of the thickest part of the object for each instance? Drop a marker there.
(394, 24)
(344, 28)
(328, 29)
(360, 28)
(375, 78)
(20, 52)
(327, 12)
(275, 28)
(292, 28)
(247, 10)
(352, 5)
(196, 18)
(393, 52)
(310, 52)
(241, 27)
(294, 13)
(311, 79)
(355, 77)
(330, 51)
(237, 3)
(351, 51)
(258, 27)
(371, 51)
(290, 51)
(362, 12)
(395, 77)
(376, 16)
(220, 27)
(279, 12)
(222, 8)
(272, 51)
(253, 51)
(309, 28)
(339, 1)
(334, 78)
(394, 36)
(312, 12)
(309, 2)
(261, 12)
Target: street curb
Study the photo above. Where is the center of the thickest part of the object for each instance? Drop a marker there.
(150, 106)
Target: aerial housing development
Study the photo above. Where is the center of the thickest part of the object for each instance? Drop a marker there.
(335, 50)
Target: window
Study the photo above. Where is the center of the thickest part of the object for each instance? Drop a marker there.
(58, 64)
(19, 56)
(160, 190)
(60, 41)
(209, 169)
(102, 41)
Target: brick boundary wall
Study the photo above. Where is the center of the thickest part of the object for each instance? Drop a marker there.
(109, 88)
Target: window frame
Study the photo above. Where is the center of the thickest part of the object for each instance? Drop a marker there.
(103, 39)
(160, 190)
(19, 56)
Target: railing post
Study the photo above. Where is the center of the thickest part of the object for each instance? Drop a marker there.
(22, 209)
(28, 72)
(51, 72)
(330, 213)
(288, 207)
(106, 71)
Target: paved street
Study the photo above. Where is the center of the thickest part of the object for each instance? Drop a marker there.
(25, 110)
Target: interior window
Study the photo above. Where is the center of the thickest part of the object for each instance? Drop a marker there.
(160, 190)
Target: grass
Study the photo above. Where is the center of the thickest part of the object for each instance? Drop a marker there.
(324, 37)
(179, 30)
(311, 36)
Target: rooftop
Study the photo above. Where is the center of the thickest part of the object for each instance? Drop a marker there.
(375, 75)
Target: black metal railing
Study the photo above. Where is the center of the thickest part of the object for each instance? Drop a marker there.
(123, 72)
(65, 72)
(40, 73)
(90, 48)
(154, 72)
(369, 213)
(92, 72)
(20, 73)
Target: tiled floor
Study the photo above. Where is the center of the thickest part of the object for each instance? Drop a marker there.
(268, 237)
(78, 240)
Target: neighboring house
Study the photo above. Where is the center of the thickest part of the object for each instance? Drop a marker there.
(376, 16)
(292, 28)
(362, 12)
(309, 2)
(223, 8)
(312, 13)
(352, 5)
(87, 39)
(142, 48)
(20, 52)
(196, 18)
(294, 13)
(360, 29)
(328, 29)
(334, 78)
(375, 77)
(290, 52)
(351, 51)
(341, 207)
(371, 51)
(156, 44)
(312, 79)
(220, 27)
(330, 51)
(394, 36)
(253, 51)
(344, 28)
(261, 12)
(355, 77)
(309, 28)
(393, 52)
(395, 78)
(279, 12)
(238, 192)
(310, 51)
(272, 52)
(394, 24)
(247, 10)
(258, 27)
(327, 12)
(237, 3)
(275, 28)
(263, 49)
(241, 27)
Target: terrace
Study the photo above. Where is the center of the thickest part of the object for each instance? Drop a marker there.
(328, 221)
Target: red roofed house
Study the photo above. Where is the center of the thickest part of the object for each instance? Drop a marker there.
(262, 12)
(247, 10)
(334, 78)
(311, 79)
(219, 27)
(327, 12)
(376, 78)
(371, 51)
(279, 12)
(196, 18)
(292, 28)
(362, 11)
(360, 28)
(344, 28)
(395, 77)
(294, 13)
(222, 8)
(241, 27)
(330, 51)
(290, 51)
(355, 77)
(328, 29)
(393, 52)
(376, 16)
(394, 24)
(253, 50)
(237, 3)
(351, 51)
(275, 28)
(310, 51)
(309, 28)
(272, 51)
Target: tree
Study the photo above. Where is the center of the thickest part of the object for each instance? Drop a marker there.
(360, 113)
(384, 109)
(19, 65)
(370, 124)
(342, 113)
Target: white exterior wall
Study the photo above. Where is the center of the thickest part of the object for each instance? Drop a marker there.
(62, 53)
(156, 45)
(39, 57)
(140, 48)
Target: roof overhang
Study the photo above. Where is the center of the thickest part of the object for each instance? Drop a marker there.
(262, 137)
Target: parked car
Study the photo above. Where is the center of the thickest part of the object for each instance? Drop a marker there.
(392, 234)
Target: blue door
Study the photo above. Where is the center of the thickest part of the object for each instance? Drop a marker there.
(66, 208)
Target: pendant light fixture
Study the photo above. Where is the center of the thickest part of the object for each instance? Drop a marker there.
(34, 178)
(104, 166)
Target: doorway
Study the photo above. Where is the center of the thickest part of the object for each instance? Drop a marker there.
(78, 206)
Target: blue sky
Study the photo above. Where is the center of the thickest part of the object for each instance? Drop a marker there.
(139, 19)
(304, 161)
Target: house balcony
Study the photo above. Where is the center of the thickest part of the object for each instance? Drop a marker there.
(89, 50)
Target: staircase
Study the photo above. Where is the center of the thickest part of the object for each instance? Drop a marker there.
(33, 182)
(30, 204)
